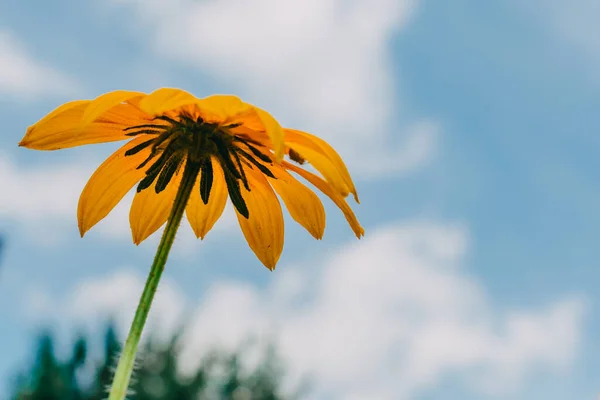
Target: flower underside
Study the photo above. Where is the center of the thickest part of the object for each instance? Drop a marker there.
(190, 140)
(173, 129)
(238, 149)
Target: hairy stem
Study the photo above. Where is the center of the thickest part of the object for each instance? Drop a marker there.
(122, 376)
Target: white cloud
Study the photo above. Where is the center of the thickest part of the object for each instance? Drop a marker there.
(320, 65)
(382, 318)
(415, 151)
(41, 200)
(24, 77)
(114, 296)
(32, 193)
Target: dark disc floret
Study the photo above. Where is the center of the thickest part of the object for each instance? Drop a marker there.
(175, 141)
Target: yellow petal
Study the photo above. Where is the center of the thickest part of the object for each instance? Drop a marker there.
(222, 108)
(274, 131)
(263, 229)
(36, 132)
(104, 103)
(324, 158)
(302, 203)
(149, 210)
(263, 128)
(63, 108)
(109, 183)
(202, 217)
(166, 99)
(324, 166)
(317, 144)
(332, 194)
(252, 130)
(61, 128)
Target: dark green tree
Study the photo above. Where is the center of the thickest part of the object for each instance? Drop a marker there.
(50, 379)
(220, 376)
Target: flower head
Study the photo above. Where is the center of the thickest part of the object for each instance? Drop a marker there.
(238, 149)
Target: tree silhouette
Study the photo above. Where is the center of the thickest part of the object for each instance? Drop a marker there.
(220, 376)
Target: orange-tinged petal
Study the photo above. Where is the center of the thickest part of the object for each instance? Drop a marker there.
(260, 126)
(255, 133)
(324, 158)
(62, 109)
(149, 210)
(125, 114)
(109, 183)
(36, 131)
(61, 128)
(105, 102)
(302, 141)
(166, 99)
(222, 108)
(202, 217)
(302, 203)
(274, 131)
(325, 167)
(263, 229)
(332, 194)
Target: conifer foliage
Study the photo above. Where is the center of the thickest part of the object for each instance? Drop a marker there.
(219, 377)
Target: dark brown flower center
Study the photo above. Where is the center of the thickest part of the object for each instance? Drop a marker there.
(173, 141)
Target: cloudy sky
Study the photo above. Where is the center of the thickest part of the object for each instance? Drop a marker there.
(471, 129)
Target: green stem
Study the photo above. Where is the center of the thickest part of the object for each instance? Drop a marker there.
(122, 376)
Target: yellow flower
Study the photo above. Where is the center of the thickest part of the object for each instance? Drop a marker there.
(238, 148)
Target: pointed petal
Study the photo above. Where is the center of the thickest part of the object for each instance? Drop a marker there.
(274, 131)
(202, 217)
(324, 158)
(62, 109)
(108, 184)
(62, 129)
(149, 210)
(166, 99)
(332, 194)
(319, 145)
(302, 203)
(104, 103)
(263, 229)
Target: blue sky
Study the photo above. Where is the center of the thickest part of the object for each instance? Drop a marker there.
(470, 129)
